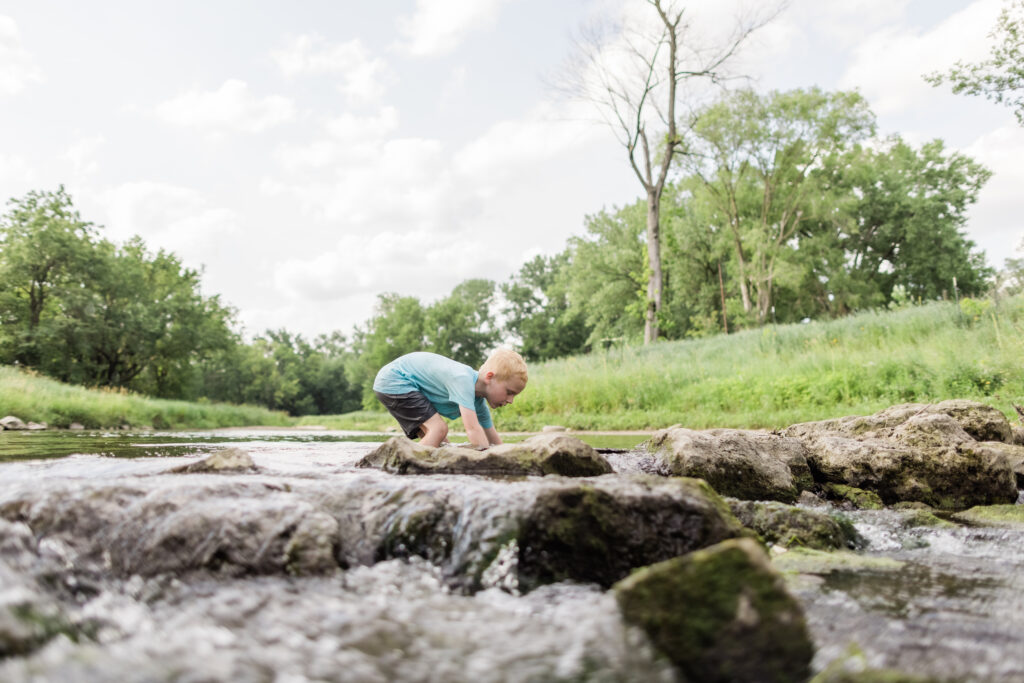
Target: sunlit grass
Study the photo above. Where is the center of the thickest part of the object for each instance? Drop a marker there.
(39, 399)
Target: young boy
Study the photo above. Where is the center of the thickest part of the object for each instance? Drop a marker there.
(418, 388)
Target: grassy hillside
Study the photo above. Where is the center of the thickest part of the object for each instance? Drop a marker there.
(39, 399)
(778, 375)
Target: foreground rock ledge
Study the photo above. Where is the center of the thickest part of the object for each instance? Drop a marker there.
(539, 455)
(721, 614)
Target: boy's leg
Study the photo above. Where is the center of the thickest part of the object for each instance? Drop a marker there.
(414, 413)
(434, 431)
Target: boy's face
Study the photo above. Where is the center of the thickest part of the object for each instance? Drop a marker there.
(501, 392)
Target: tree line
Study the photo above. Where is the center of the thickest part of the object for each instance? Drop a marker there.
(785, 206)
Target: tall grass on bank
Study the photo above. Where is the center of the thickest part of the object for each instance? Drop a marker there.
(779, 375)
(39, 399)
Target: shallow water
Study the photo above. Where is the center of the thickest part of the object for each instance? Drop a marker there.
(953, 609)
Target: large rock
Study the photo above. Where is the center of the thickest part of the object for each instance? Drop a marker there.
(980, 421)
(226, 460)
(927, 453)
(787, 525)
(721, 614)
(742, 464)
(539, 455)
(599, 531)
(12, 423)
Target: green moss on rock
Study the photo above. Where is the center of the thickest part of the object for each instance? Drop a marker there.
(720, 614)
(858, 498)
(993, 515)
(790, 526)
(809, 561)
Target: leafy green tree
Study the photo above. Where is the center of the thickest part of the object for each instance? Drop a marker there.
(999, 78)
(396, 328)
(538, 311)
(45, 249)
(462, 325)
(758, 157)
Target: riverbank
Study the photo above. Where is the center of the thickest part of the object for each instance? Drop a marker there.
(34, 398)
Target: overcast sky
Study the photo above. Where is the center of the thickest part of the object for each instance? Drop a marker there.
(310, 155)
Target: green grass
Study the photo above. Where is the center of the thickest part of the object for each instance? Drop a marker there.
(779, 375)
(39, 399)
(769, 377)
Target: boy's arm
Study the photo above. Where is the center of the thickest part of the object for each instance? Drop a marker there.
(476, 434)
(492, 436)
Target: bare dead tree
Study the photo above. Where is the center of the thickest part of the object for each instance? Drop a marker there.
(634, 75)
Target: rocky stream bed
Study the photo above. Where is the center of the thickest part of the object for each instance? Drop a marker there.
(884, 547)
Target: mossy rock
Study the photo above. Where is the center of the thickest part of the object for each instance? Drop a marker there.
(601, 530)
(232, 460)
(720, 614)
(539, 455)
(790, 526)
(918, 517)
(993, 515)
(809, 561)
(855, 497)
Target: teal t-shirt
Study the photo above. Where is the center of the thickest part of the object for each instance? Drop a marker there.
(446, 383)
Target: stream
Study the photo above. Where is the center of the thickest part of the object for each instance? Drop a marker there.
(132, 574)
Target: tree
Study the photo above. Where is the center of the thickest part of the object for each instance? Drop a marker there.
(45, 247)
(461, 326)
(634, 76)
(758, 157)
(999, 78)
(538, 310)
(396, 328)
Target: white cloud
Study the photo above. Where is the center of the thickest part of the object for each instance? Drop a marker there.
(437, 26)
(419, 263)
(82, 154)
(364, 78)
(889, 64)
(232, 107)
(15, 172)
(168, 216)
(995, 222)
(17, 69)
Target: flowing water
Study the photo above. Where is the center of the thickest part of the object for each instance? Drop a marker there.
(129, 573)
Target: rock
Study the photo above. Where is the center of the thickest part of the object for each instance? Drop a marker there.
(822, 563)
(36, 426)
(553, 428)
(12, 423)
(954, 476)
(912, 518)
(1018, 435)
(601, 530)
(787, 526)
(539, 455)
(734, 462)
(227, 460)
(980, 421)
(76, 426)
(856, 498)
(993, 515)
(720, 614)
(28, 618)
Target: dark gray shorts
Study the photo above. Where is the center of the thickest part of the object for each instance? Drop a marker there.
(411, 410)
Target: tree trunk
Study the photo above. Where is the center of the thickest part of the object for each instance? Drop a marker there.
(654, 281)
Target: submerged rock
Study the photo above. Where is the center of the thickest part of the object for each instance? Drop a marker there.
(788, 526)
(742, 464)
(720, 614)
(852, 497)
(539, 455)
(993, 515)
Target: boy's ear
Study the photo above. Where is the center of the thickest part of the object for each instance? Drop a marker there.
(489, 375)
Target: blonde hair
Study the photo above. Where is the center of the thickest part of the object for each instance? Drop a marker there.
(505, 364)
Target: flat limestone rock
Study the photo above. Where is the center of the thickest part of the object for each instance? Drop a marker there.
(738, 463)
(720, 614)
(13, 423)
(551, 453)
(227, 460)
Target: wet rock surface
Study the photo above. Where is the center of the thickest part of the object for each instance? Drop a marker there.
(551, 453)
(742, 464)
(300, 565)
